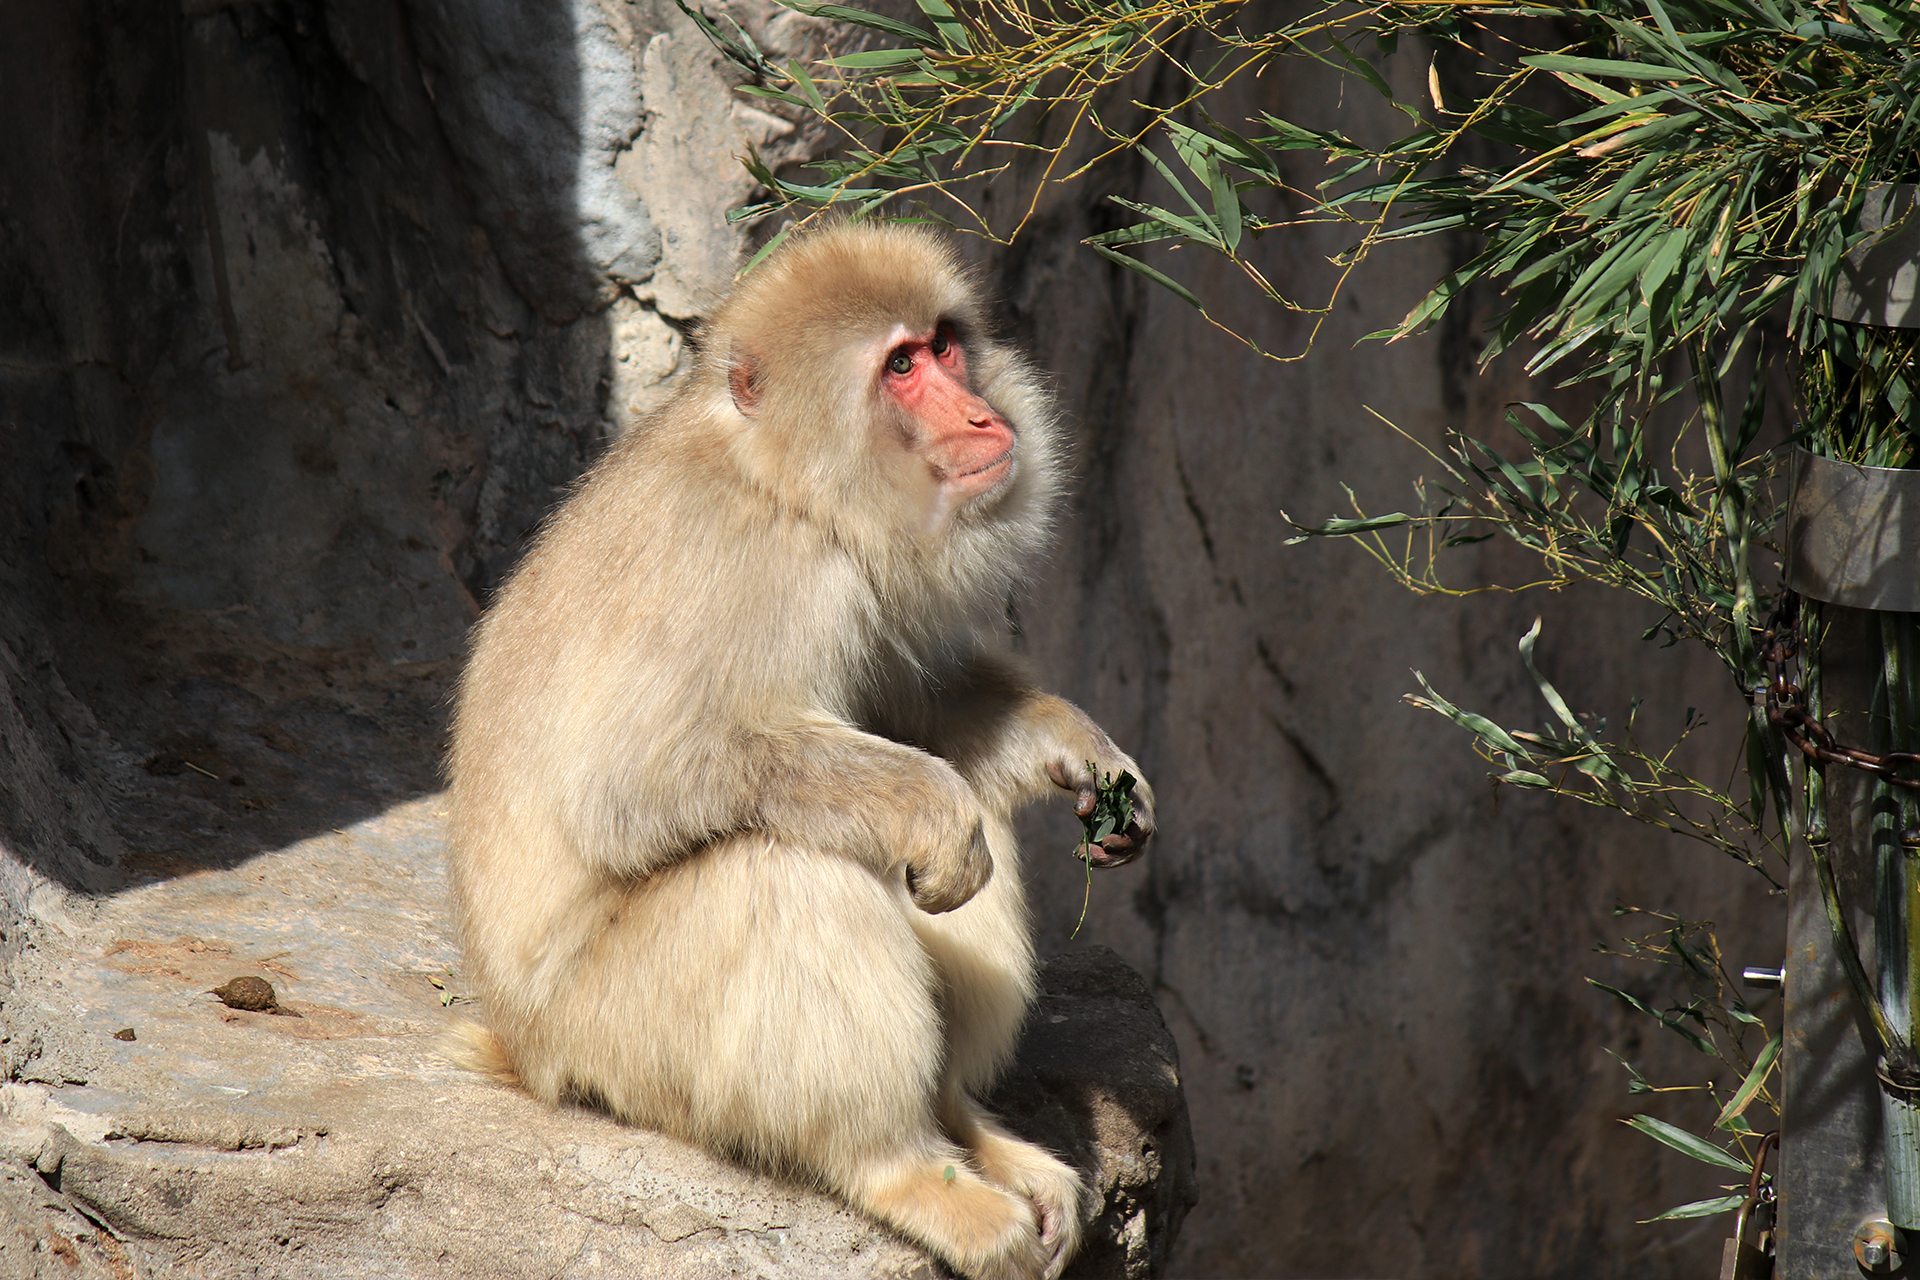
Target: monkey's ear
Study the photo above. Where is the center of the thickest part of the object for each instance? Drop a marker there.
(744, 380)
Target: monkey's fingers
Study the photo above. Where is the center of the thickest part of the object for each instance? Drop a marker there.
(1118, 849)
(935, 888)
(1068, 775)
(1056, 1239)
(1051, 1220)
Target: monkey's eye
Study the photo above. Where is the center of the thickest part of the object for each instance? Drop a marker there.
(902, 363)
(939, 344)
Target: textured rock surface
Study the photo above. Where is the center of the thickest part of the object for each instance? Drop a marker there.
(310, 308)
(332, 1140)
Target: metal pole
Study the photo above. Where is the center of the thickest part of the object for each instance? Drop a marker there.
(1831, 1174)
(1896, 901)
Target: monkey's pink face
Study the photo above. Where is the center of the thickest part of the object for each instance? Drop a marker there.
(966, 444)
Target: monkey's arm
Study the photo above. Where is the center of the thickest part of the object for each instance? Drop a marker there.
(1016, 743)
(810, 781)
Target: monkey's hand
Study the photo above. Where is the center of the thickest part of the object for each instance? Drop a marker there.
(896, 809)
(1080, 767)
(945, 842)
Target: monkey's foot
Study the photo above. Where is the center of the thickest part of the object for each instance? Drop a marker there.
(1060, 1199)
(1055, 1189)
(983, 1231)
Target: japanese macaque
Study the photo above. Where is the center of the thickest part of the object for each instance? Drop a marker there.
(735, 759)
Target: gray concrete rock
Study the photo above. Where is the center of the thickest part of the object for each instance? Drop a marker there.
(148, 1125)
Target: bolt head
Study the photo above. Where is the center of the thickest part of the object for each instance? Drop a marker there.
(1877, 1246)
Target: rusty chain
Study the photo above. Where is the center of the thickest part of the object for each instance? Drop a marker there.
(1787, 707)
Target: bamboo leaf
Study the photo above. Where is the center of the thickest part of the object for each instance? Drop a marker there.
(863, 18)
(1594, 760)
(1750, 1087)
(1188, 228)
(739, 47)
(1520, 126)
(1671, 1023)
(1699, 1209)
(1238, 150)
(1196, 151)
(1362, 67)
(1592, 88)
(1689, 1145)
(1203, 229)
(1426, 228)
(1481, 727)
(775, 242)
(1665, 258)
(820, 194)
(1165, 281)
(803, 85)
(952, 33)
(1347, 528)
(876, 59)
(1288, 136)
(1604, 67)
(1148, 232)
(1437, 301)
(1226, 209)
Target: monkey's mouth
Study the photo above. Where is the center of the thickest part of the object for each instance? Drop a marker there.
(1004, 460)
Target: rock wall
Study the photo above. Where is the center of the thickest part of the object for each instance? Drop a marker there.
(312, 311)
(309, 309)
(1374, 963)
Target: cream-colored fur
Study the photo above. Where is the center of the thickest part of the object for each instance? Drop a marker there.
(734, 760)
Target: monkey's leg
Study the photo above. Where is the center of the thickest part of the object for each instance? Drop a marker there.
(986, 965)
(775, 1003)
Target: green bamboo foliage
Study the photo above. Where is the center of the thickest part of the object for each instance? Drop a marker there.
(1659, 194)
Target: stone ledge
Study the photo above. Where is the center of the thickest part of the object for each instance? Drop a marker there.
(339, 1143)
